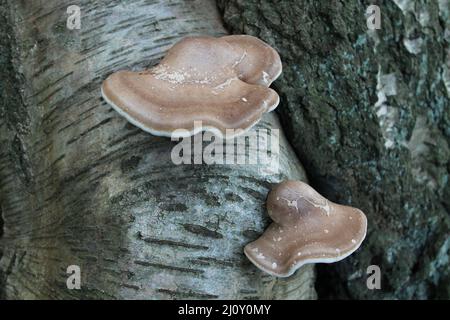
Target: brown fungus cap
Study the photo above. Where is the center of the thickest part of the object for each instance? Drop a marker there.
(307, 228)
(222, 82)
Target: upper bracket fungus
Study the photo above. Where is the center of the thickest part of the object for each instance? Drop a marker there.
(222, 82)
(307, 228)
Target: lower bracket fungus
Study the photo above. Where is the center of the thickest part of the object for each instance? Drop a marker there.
(307, 228)
(223, 82)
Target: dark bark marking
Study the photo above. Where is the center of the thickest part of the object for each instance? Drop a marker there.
(87, 32)
(255, 194)
(131, 286)
(210, 260)
(251, 234)
(124, 54)
(125, 137)
(135, 20)
(165, 242)
(42, 69)
(49, 96)
(119, 28)
(130, 164)
(122, 49)
(100, 16)
(89, 57)
(167, 39)
(203, 231)
(173, 207)
(168, 267)
(101, 123)
(49, 13)
(52, 84)
(110, 68)
(187, 294)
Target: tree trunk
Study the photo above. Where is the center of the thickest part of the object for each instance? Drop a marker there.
(81, 186)
(368, 114)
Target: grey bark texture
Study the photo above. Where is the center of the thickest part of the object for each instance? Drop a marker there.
(368, 114)
(81, 186)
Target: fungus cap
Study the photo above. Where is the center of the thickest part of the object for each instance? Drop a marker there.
(222, 82)
(307, 228)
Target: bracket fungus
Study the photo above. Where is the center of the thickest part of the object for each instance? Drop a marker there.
(307, 228)
(222, 82)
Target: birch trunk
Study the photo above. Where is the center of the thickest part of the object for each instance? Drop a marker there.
(81, 186)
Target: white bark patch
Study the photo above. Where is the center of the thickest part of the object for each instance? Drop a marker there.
(413, 46)
(387, 115)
